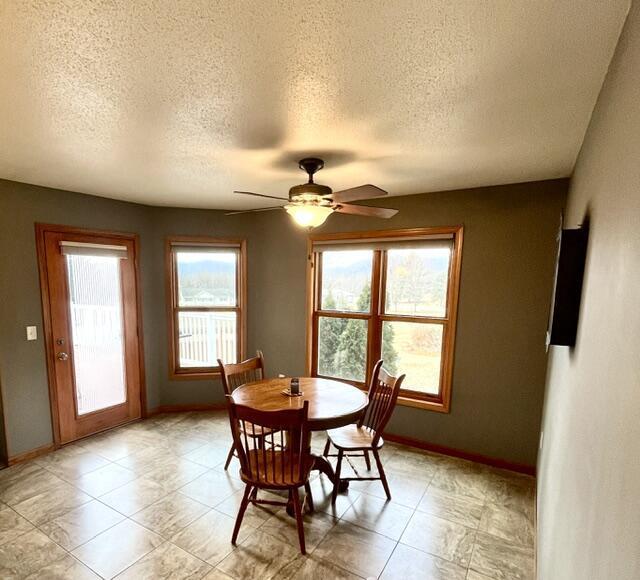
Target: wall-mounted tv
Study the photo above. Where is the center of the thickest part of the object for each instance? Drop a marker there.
(567, 286)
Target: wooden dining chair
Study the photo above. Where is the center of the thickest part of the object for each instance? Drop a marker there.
(358, 439)
(282, 461)
(234, 375)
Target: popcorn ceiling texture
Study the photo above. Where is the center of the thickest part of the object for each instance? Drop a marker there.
(179, 103)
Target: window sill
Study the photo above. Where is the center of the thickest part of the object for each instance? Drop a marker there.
(193, 376)
(438, 407)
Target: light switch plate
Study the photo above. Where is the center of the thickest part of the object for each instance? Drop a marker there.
(32, 333)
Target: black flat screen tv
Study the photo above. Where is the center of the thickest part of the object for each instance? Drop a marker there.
(567, 286)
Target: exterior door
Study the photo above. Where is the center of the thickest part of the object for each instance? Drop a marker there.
(89, 285)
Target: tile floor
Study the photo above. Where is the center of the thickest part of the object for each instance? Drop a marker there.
(151, 500)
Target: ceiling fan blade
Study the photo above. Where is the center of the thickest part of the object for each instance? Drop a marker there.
(356, 193)
(253, 210)
(262, 195)
(367, 210)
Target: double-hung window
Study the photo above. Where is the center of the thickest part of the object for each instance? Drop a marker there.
(390, 295)
(206, 304)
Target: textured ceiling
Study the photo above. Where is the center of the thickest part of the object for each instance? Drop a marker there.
(179, 103)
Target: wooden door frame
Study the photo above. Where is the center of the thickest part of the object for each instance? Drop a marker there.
(41, 229)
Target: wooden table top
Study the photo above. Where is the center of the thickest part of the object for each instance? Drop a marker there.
(331, 403)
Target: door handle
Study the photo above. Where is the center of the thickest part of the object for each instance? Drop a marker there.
(62, 356)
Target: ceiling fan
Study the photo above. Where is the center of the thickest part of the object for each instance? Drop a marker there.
(310, 204)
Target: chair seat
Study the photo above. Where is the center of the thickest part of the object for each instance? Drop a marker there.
(353, 438)
(256, 430)
(267, 469)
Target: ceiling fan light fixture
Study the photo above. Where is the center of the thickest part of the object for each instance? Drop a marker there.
(308, 215)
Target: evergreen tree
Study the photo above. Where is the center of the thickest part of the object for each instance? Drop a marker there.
(389, 353)
(330, 332)
(350, 358)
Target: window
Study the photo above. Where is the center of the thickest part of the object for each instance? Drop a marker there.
(205, 289)
(390, 295)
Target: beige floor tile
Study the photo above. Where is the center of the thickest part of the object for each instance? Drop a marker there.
(66, 568)
(135, 496)
(81, 524)
(24, 481)
(411, 460)
(438, 537)
(321, 489)
(261, 557)
(212, 488)
(12, 525)
(283, 527)
(210, 455)
(170, 514)
(378, 515)
(27, 554)
(314, 568)
(176, 472)
(51, 503)
(502, 560)
(104, 480)
(111, 446)
(209, 537)
(406, 563)
(508, 524)
(116, 549)
(188, 450)
(167, 561)
(217, 574)
(456, 508)
(460, 482)
(72, 465)
(147, 457)
(255, 515)
(407, 488)
(512, 490)
(473, 575)
(183, 444)
(355, 549)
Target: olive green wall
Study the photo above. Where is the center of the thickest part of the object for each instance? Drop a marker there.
(23, 372)
(500, 360)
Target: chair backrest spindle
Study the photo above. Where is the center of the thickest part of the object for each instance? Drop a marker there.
(234, 375)
(383, 394)
(281, 457)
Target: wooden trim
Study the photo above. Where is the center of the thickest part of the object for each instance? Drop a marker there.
(374, 331)
(377, 315)
(459, 453)
(172, 309)
(141, 363)
(28, 455)
(40, 230)
(310, 303)
(47, 330)
(391, 234)
(343, 314)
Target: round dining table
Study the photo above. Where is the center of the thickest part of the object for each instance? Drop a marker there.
(332, 404)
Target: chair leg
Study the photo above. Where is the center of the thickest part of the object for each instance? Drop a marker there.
(383, 476)
(325, 453)
(299, 521)
(309, 496)
(229, 457)
(336, 484)
(243, 507)
(367, 460)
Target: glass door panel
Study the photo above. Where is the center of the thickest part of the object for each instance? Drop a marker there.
(96, 317)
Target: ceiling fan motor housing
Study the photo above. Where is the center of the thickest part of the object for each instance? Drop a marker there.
(309, 189)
